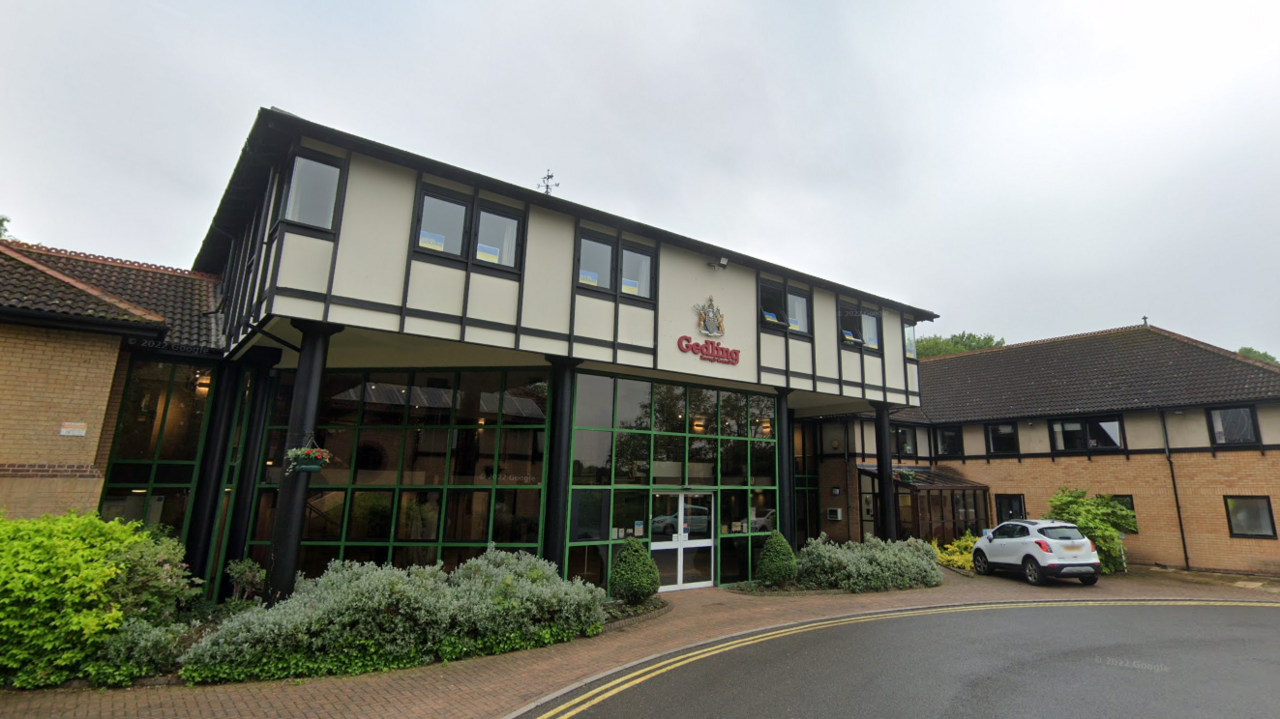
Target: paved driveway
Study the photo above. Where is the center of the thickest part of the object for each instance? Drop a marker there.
(498, 686)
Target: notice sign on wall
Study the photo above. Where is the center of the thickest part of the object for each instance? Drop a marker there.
(73, 429)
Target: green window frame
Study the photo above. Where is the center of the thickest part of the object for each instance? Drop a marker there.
(731, 431)
(158, 443)
(359, 508)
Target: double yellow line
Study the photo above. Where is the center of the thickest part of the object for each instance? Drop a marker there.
(625, 682)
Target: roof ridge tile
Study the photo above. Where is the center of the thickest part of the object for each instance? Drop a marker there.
(103, 259)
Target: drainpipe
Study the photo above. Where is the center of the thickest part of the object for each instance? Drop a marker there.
(1173, 477)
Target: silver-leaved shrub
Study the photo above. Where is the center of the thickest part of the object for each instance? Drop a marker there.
(358, 618)
(870, 566)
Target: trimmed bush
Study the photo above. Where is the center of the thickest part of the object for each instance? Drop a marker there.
(957, 554)
(1100, 518)
(358, 618)
(870, 566)
(138, 649)
(67, 582)
(634, 575)
(777, 562)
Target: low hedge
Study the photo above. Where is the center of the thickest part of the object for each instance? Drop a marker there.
(869, 566)
(358, 618)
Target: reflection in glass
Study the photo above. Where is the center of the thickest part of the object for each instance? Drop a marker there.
(313, 193)
(142, 410)
(632, 458)
(764, 467)
(402, 557)
(516, 513)
(762, 411)
(630, 511)
(764, 514)
(666, 517)
(733, 512)
(734, 416)
(697, 516)
(432, 398)
(340, 394)
(697, 565)
(378, 456)
(525, 400)
(184, 417)
(520, 461)
(478, 398)
(370, 518)
(702, 411)
(385, 395)
(473, 456)
(593, 405)
(592, 457)
(341, 442)
(589, 515)
(668, 459)
(466, 515)
(668, 566)
(424, 456)
(323, 515)
(442, 225)
(634, 404)
(702, 461)
(733, 462)
(668, 408)
(314, 559)
(734, 560)
(451, 557)
(419, 515)
(587, 563)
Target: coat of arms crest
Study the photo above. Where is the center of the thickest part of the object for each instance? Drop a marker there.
(710, 319)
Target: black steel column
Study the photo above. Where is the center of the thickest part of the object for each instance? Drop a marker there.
(208, 494)
(786, 469)
(262, 390)
(884, 467)
(559, 459)
(286, 532)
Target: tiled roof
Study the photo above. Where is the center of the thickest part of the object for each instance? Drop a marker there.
(91, 287)
(1129, 368)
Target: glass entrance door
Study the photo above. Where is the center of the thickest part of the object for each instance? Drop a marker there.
(681, 541)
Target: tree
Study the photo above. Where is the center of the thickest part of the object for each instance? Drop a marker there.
(938, 346)
(4, 227)
(1259, 354)
(1100, 518)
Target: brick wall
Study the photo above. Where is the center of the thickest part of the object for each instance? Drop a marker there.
(1203, 480)
(48, 377)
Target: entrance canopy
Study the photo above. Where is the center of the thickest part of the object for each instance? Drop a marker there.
(935, 502)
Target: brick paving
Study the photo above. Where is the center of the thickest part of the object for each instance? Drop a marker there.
(496, 686)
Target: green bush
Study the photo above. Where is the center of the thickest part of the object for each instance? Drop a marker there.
(957, 554)
(66, 584)
(1100, 518)
(138, 649)
(634, 576)
(777, 562)
(358, 618)
(870, 566)
(248, 579)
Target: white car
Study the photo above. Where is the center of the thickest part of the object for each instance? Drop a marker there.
(1040, 549)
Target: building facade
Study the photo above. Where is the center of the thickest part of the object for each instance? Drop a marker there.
(1186, 434)
(488, 365)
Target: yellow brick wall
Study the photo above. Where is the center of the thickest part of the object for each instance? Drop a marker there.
(1203, 480)
(48, 377)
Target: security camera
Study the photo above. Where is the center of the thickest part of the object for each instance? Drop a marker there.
(723, 264)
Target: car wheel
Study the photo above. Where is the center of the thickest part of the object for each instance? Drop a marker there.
(669, 529)
(980, 563)
(1088, 581)
(1032, 572)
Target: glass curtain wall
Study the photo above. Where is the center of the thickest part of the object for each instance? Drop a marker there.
(156, 450)
(633, 438)
(428, 465)
(806, 448)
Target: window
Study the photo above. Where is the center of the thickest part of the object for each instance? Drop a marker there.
(950, 442)
(637, 274)
(313, 193)
(797, 312)
(496, 241)
(1002, 438)
(773, 305)
(1126, 501)
(850, 321)
(1061, 533)
(1089, 434)
(1250, 517)
(595, 264)
(1010, 506)
(443, 227)
(904, 441)
(909, 339)
(1234, 425)
(870, 328)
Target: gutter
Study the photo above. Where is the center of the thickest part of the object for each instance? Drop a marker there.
(1173, 477)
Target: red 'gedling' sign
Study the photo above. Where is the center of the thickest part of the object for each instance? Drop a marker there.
(709, 351)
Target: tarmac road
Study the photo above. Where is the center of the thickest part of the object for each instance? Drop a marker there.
(1123, 660)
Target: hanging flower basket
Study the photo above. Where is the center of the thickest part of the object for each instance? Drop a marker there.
(307, 459)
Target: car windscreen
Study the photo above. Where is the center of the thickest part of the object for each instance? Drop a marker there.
(1062, 533)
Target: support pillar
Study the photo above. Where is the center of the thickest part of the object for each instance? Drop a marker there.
(884, 467)
(262, 391)
(208, 494)
(786, 469)
(559, 461)
(286, 532)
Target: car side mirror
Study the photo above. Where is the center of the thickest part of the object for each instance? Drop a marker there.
(987, 533)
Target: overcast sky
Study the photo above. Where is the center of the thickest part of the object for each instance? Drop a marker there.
(1029, 169)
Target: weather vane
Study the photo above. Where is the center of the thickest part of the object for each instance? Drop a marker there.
(546, 185)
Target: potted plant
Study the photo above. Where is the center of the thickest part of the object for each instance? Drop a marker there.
(307, 459)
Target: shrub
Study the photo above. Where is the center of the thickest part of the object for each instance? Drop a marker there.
(777, 562)
(248, 579)
(959, 553)
(138, 649)
(635, 574)
(1100, 518)
(358, 618)
(869, 566)
(67, 582)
